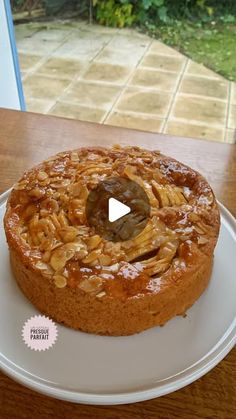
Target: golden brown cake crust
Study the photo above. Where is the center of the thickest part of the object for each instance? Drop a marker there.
(78, 278)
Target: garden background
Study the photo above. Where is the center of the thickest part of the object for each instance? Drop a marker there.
(174, 35)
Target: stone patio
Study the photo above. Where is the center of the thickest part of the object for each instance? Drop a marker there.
(123, 78)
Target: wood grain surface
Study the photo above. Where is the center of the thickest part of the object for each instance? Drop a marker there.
(26, 139)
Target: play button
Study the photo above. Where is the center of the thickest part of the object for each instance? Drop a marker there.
(117, 209)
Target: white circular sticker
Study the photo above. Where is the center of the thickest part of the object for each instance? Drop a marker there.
(39, 333)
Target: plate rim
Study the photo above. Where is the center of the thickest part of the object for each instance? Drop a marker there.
(182, 379)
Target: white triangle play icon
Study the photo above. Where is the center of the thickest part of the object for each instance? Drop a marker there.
(116, 209)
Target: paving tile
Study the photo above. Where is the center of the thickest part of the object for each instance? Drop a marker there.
(230, 136)
(135, 122)
(158, 47)
(130, 42)
(51, 34)
(199, 109)
(194, 131)
(107, 72)
(205, 87)
(30, 45)
(154, 79)
(81, 47)
(28, 61)
(146, 102)
(90, 35)
(200, 70)
(24, 30)
(163, 62)
(112, 56)
(70, 47)
(132, 32)
(61, 68)
(233, 93)
(91, 94)
(42, 87)
(77, 112)
(99, 29)
(38, 106)
(232, 117)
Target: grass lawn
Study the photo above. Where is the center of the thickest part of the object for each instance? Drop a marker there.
(212, 44)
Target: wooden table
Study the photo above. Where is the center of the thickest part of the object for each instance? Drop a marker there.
(26, 139)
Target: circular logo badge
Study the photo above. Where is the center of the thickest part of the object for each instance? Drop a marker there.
(39, 333)
(109, 201)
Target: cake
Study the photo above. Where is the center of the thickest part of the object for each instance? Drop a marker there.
(78, 278)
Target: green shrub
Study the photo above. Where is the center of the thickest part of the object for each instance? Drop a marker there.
(120, 13)
(147, 12)
(114, 13)
(125, 12)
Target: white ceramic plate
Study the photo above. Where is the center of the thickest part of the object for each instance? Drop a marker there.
(111, 370)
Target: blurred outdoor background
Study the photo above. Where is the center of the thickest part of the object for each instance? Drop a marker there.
(157, 65)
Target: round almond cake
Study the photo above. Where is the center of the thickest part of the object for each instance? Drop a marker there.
(79, 278)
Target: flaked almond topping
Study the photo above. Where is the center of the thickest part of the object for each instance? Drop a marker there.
(24, 237)
(193, 217)
(20, 185)
(199, 230)
(30, 210)
(105, 260)
(81, 254)
(94, 241)
(52, 202)
(23, 229)
(42, 176)
(53, 173)
(202, 240)
(37, 193)
(92, 256)
(83, 230)
(74, 156)
(93, 284)
(64, 198)
(101, 294)
(60, 281)
(205, 200)
(77, 245)
(40, 265)
(60, 184)
(46, 256)
(113, 268)
(92, 156)
(68, 234)
(75, 189)
(62, 219)
(60, 256)
(50, 244)
(50, 205)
